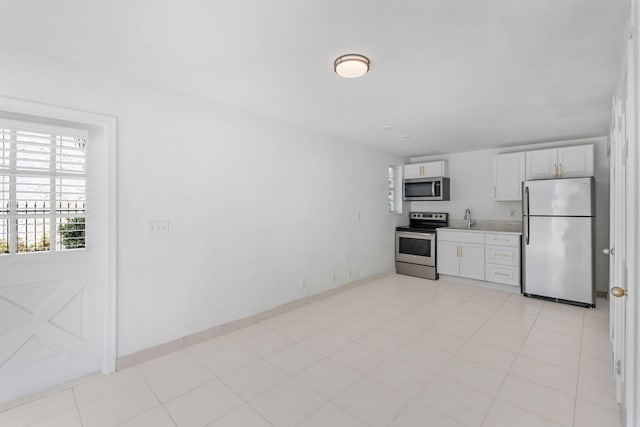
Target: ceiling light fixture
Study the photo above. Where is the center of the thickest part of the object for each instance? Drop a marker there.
(351, 66)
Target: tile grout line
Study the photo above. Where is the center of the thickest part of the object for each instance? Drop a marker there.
(387, 316)
(523, 409)
(263, 359)
(511, 367)
(437, 374)
(365, 374)
(575, 400)
(75, 400)
(156, 396)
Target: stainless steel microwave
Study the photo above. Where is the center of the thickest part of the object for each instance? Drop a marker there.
(426, 189)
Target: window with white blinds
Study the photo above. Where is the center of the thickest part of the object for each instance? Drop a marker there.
(42, 188)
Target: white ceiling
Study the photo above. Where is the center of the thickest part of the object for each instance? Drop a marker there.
(453, 74)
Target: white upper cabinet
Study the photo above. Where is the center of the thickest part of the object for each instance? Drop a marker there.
(412, 170)
(542, 164)
(508, 173)
(426, 170)
(575, 161)
(564, 162)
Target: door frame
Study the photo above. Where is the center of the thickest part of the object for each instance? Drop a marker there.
(631, 413)
(105, 140)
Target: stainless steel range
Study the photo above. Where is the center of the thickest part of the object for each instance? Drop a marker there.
(416, 244)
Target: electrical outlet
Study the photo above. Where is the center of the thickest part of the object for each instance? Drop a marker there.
(157, 227)
(512, 212)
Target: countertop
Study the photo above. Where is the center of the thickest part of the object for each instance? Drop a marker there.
(487, 226)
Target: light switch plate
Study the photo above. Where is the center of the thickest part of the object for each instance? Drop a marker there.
(157, 227)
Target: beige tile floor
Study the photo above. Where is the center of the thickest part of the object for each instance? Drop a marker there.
(397, 351)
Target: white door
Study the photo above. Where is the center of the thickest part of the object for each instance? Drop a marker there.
(624, 256)
(52, 298)
(50, 328)
(617, 245)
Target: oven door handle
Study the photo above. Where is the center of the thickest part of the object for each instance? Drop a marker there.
(433, 188)
(416, 235)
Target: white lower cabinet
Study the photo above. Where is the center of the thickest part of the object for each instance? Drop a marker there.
(448, 261)
(461, 254)
(481, 256)
(503, 258)
(503, 274)
(472, 261)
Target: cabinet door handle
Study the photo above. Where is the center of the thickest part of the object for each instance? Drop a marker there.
(500, 274)
(460, 251)
(555, 169)
(561, 170)
(494, 191)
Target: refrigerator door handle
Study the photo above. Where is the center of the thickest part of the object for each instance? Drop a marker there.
(526, 213)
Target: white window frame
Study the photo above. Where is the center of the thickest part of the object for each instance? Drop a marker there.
(395, 186)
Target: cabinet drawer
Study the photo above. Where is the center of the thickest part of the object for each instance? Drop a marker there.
(502, 239)
(460, 236)
(503, 274)
(505, 255)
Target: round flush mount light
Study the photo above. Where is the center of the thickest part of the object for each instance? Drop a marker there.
(351, 66)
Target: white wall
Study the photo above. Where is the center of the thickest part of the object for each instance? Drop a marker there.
(261, 212)
(471, 176)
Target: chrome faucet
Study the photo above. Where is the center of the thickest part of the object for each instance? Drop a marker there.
(467, 217)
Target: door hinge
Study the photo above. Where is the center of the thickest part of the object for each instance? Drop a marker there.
(618, 367)
(625, 151)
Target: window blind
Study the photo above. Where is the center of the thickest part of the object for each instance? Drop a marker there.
(42, 187)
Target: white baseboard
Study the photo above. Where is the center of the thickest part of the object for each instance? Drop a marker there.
(141, 356)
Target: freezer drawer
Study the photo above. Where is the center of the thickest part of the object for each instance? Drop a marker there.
(558, 260)
(558, 197)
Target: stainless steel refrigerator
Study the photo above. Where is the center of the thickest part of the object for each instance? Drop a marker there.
(558, 239)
